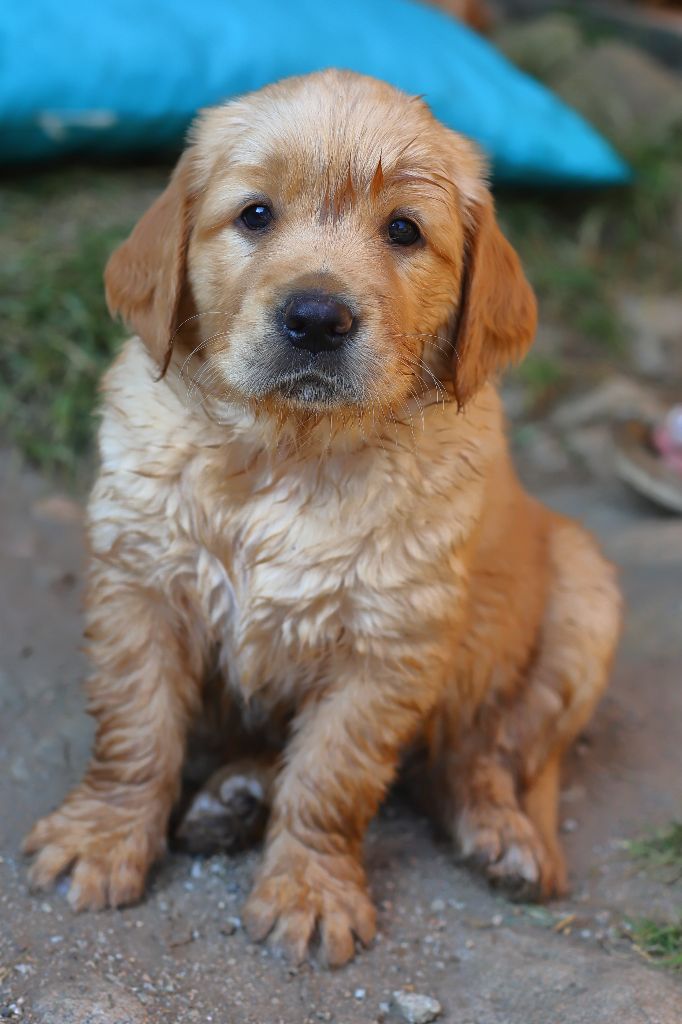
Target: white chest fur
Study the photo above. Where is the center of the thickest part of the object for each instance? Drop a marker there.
(290, 553)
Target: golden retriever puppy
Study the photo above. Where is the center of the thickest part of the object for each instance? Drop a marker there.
(326, 518)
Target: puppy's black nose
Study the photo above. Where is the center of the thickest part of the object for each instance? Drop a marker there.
(317, 322)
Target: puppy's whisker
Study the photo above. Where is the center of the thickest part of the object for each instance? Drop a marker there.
(204, 378)
(202, 344)
(418, 334)
(416, 363)
(444, 345)
(447, 353)
(373, 410)
(197, 316)
(200, 377)
(421, 411)
(449, 350)
(377, 404)
(438, 385)
(206, 393)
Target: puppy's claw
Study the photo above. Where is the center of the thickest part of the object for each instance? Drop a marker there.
(503, 844)
(108, 865)
(292, 935)
(51, 862)
(337, 940)
(260, 913)
(292, 907)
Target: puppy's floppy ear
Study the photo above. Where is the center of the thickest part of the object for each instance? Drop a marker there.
(144, 277)
(497, 316)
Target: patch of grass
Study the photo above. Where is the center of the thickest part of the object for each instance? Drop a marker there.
(585, 251)
(659, 941)
(57, 338)
(662, 849)
(59, 227)
(542, 376)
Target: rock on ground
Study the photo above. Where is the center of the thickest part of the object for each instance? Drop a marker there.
(91, 1004)
(415, 1008)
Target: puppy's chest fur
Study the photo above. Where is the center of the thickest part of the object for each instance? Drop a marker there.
(291, 558)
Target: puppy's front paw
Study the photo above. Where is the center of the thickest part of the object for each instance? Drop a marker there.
(106, 852)
(301, 894)
(504, 844)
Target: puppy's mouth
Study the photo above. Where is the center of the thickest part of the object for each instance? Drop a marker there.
(313, 389)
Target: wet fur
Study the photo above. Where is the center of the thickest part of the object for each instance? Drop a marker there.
(364, 573)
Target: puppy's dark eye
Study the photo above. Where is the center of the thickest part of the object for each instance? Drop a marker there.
(256, 217)
(403, 231)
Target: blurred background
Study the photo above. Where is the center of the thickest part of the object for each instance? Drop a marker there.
(605, 262)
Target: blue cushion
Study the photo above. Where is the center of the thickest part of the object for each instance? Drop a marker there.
(107, 76)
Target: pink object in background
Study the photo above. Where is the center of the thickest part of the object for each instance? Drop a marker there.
(667, 439)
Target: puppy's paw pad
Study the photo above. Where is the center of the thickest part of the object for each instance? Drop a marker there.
(229, 813)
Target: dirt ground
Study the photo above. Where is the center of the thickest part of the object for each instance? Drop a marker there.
(181, 955)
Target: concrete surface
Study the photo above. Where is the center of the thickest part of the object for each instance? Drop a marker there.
(180, 956)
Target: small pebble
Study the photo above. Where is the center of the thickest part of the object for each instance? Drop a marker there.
(569, 825)
(438, 906)
(230, 926)
(414, 1008)
(11, 1012)
(360, 993)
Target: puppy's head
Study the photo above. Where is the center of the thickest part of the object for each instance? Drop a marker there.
(335, 248)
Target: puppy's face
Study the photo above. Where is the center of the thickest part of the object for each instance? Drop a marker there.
(336, 249)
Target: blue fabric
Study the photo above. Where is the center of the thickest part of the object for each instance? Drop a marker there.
(112, 76)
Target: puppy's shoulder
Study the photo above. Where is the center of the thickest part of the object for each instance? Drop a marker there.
(143, 418)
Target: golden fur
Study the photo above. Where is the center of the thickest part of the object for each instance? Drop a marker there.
(354, 559)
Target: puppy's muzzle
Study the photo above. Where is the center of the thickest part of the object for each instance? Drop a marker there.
(316, 322)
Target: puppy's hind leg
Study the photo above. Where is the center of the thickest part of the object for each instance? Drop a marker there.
(230, 811)
(502, 783)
